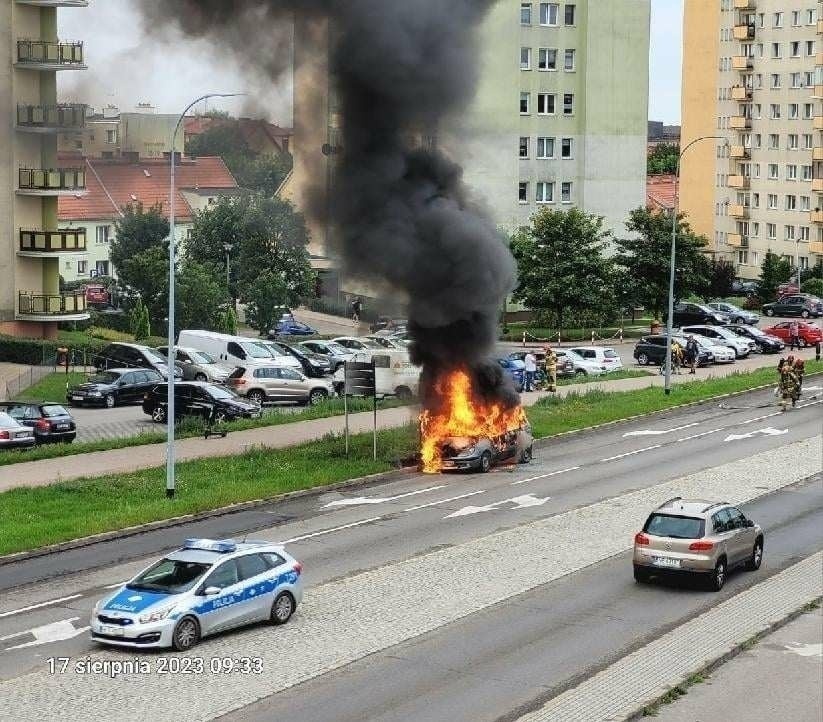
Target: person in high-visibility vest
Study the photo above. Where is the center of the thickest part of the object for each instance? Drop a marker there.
(551, 368)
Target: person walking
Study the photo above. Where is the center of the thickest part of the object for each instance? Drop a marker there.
(692, 354)
(677, 357)
(788, 387)
(794, 336)
(531, 369)
(551, 368)
(799, 370)
(356, 308)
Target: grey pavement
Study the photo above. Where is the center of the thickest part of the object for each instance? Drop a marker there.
(781, 677)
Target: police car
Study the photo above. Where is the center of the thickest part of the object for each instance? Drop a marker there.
(206, 587)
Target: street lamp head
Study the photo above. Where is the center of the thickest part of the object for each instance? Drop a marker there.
(227, 247)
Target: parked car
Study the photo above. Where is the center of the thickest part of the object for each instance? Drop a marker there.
(693, 536)
(764, 342)
(13, 434)
(197, 365)
(467, 453)
(388, 342)
(120, 355)
(337, 354)
(721, 336)
(196, 398)
(719, 354)
(49, 421)
(97, 295)
(114, 387)
(583, 366)
(403, 338)
(687, 314)
(388, 324)
(749, 288)
(801, 305)
(357, 344)
(289, 326)
(393, 376)
(809, 333)
(515, 371)
(601, 356)
(787, 289)
(312, 364)
(234, 351)
(275, 383)
(651, 350)
(735, 313)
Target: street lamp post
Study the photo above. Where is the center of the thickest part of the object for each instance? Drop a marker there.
(172, 353)
(227, 247)
(668, 379)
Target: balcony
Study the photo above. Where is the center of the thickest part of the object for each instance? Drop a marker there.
(740, 122)
(738, 211)
(51, 307)
(817, 185)
(820, 27)
(43, 55)
(818, 59)
(739, 151)
(817, 91)
(52, 181)
(816, 216)
(742, 62)
(739, 181)
(817, 123)
(63, 118)
(744, 4)
(817, 153)
(740, 92)
(40, 244)
(743, 32)
(737, 241)
(816, 247)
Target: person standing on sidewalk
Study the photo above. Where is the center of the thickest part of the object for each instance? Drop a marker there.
(551, 369)
(356, 308)
(531, 369)
(788, 387)
(794, 336)
(692, 354)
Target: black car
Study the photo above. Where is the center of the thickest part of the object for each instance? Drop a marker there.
(652, 350)
(314, 365)
(50, 421)
(196, 398)
(113, 387)
(798, 304)
(764, 342)
(692, 314)
(133, 355)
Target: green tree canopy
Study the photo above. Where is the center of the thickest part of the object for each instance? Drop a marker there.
(200, 298)
(722, 275)
(561, 267)
(137, 231)
(643, 259)
(662, 159)
(773, 271)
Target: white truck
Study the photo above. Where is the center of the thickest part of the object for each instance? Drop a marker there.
(395, 375)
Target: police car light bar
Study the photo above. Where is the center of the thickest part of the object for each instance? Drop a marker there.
(211, 545)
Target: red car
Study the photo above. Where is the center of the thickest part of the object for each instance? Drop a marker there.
(809, 333)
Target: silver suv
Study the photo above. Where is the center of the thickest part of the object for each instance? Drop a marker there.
(276, 383)
(696, 537)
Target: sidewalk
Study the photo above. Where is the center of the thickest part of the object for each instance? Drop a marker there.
(120, 461)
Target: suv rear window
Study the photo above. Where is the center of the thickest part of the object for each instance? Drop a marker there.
(677, 527)
(608, 353)
(237, 373)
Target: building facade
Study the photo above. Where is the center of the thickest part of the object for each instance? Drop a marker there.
(754, 77)
(32, 243)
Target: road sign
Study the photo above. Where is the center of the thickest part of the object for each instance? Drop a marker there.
(359, 380)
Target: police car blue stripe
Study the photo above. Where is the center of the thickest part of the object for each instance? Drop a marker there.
(265, 586)
(134, 601)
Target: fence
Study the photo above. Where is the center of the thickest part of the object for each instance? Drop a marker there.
(24, 380)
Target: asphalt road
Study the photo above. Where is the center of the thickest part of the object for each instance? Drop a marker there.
(337, 535)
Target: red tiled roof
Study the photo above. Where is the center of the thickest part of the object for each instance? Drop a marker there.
(249, 129)
(660, 191)
(114, 184)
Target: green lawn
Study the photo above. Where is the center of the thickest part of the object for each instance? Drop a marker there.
(540, 334)
(52, 387)
(32, 518)
(614, 376)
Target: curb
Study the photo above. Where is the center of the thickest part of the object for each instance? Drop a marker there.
(317, 490)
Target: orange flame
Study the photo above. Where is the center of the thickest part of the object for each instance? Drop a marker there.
(461, 415)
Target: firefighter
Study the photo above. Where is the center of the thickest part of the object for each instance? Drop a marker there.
(788, 387)
(551, 368)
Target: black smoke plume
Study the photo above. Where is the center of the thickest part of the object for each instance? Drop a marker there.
(401, 69)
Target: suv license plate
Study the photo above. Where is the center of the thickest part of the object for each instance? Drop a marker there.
(666, 562)
(111, 630)
(76, 398)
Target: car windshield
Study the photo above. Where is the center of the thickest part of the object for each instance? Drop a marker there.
(6, 420)
(385, 342)
(336, 348)
(104, 378)
(676, 527)
(169, 576)
(275, 349)
(608, 353)
(153, 356)
(370, 343)
(49, 410)
(257, 350)
(201, 357)
(219, 393)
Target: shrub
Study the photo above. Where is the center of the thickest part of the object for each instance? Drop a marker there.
(813, 286)
(37, 351)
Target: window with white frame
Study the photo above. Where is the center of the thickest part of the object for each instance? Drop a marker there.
(111, 136)
(777, 20)
(796, 79)
(795, 18)
(774, 111)
(774, 141)
(755, 230)
(791, 203)
(794, 111)
(794, 49)
(755, 200)
(808, 141)
(774, 173)
(775, 81)
(569, 14)
(567, 148)
(755, 258)
(809, 48)
(544, 192)
(771, 231)
(566, 192)
(805, 203)
(525, 58)
(811, 16)
(82, 268)
(771, 201)
(101, 234)
(545, 148)
(524, 146)
(789, 233)
(776, 51)
(549, 13)
(804, 233)
(547, 58)
(568, 59)
(743, 256)
(523, 192)
(524, 103)
(803, 262)
(806, 172)
(525, 13)
(546, 103)
(568, 103)
(791, 171)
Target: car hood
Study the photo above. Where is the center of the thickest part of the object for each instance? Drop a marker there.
(91, 387)
(135, 601)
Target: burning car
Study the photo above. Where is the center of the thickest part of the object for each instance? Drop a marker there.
(465, 453)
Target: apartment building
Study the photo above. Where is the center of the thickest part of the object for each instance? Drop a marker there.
(32, 244)
(753, 75)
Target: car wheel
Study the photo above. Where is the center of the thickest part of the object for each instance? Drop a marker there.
(485, 461)
(256, 397)
(220, 417)
(718, 576)
(581, 372)
(756, 559)
(643, 359)
(641, 576)
(186, 634)
(200, 377)
(804, 313)
(769, 312)
(317, 396)
(526, 456)
(739, 319)
(158, 415)
(282, 608)
(404, 393)
(109, 401)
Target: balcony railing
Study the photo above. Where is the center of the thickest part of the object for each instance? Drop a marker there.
(738, 181)
(737, 240)
(52, 179)
(50, 304)
(63, 239)
(740, 122)
(817, 185)
(62, 117)
(816, 247)
(817, 123)
(738, 151)
(744, 4)
(743, 32)
(738, 211)
(820, 27)
(817, 153)
(816, 216)
(43, 52)
(742, 62)
(740, 92)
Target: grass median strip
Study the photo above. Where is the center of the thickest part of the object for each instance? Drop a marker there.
(35, 517)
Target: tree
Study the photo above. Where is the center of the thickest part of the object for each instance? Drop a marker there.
(145, 274)
(199, 299)
(644, 259)
(773, 271)
(721, 277)
(137, 231)
(663, 159)
(139, 324)
(227, 321)
(561, 266)
(265, 298)
(814, 286)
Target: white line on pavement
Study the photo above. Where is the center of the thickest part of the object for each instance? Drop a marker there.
(112, 586)
(760, 418)
(444, 501)
(654, 432)
(41, 604)
(703, 433)
(329, 531)
(355, 501)
(544, 476)
(630, 453)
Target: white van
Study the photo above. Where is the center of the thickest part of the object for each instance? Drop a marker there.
(233, 351)
(394, 375)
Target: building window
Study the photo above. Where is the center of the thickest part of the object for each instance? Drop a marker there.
(523, 192)
(755, 230)
(567, 148)
(771, 202)
(549, 13)
(795, 18)
(791, 173)
(82, 268)
(742, 256)
(805, 201)
(568, 60)
(525, 13)
(546, 103)
(778, 20)
(808, 141)
(111, 136)
(774, 141)
(566, 192)
(803, 262)
(102, 268)
(774, 111)
(755, 258)
(545, 148)
(102, 234)
(524, 103)
(809, 48)
(794, 49)
(545, 192)
(774, 174)
(568, 14)
(811, 17)
(793, 143)
(789, 233)
(525, 58)
(547, 58)
(795, 78)
(771, 231)
(524, 146)
(568, 103)
(794, 111)
(775, 81)
(776, 51)
(808, 111)
(791, 204)
(804, 233)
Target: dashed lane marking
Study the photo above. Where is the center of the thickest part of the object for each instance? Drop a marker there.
(631, 453)
(545, 476)
(41, 604)
(330, 531)
(445, 501)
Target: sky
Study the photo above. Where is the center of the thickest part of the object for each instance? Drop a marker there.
(126, 67)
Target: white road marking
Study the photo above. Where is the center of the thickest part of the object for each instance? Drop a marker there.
(545, 476)
(112, 586)
(329, 531)
(768, 431)
(444, 501)
(41, 604)
(630, 453)
(520, 502)
(813, 388)
(805, 650)
(760, 418)
(702, 433)
(355, 501)
(657, 432)
(48, 633)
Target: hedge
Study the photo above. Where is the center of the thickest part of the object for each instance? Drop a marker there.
(37, 352)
